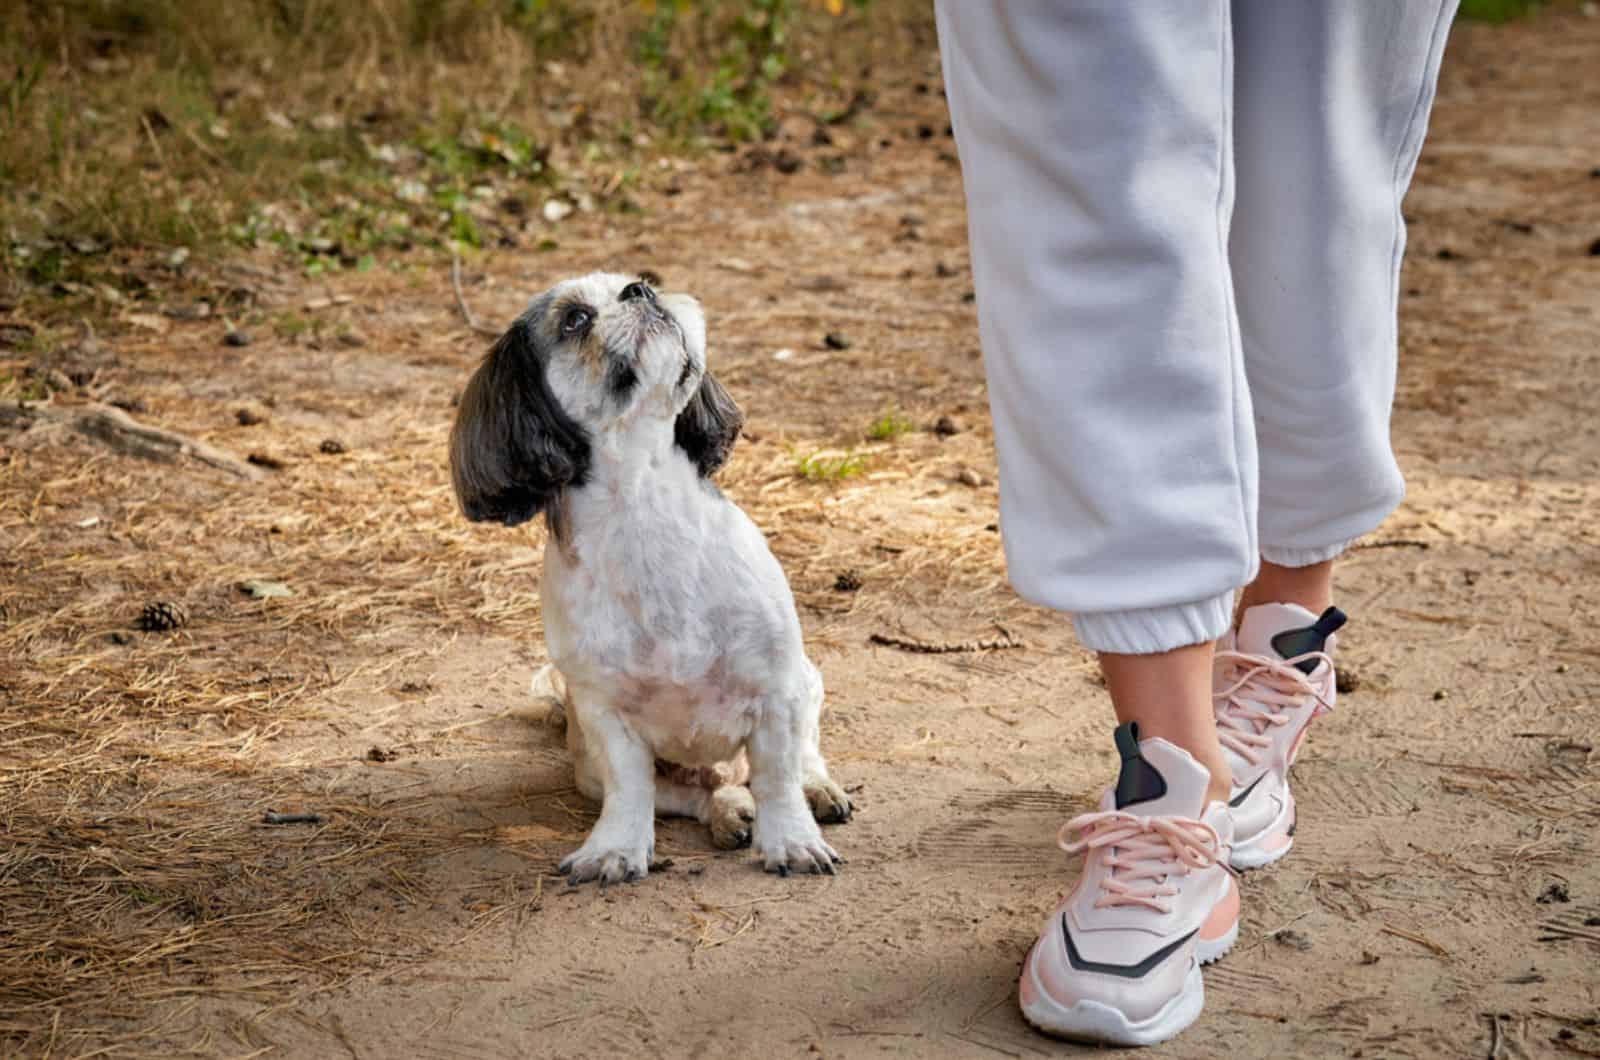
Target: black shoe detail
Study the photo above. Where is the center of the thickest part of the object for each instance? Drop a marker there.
(1238, 800)
(1139, 781)
(1292, 642)
(1126, 971)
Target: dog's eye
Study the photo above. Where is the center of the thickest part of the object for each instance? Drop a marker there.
(575, 320)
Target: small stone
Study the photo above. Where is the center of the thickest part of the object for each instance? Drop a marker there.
(786, 161)
(1295, 940)
(1594, 249)
(968, 477)
(1346, 680)
(836, 340)
(1553, 893)
(249, 416)
(331, 446)
(266, 460)
(378, 754)
(924, 132)
(237, 338)
(262, 589)
(1368, 957)
(1446, 254)
(943, 271)
(944, 427)
(847, 582)
(1440, 695)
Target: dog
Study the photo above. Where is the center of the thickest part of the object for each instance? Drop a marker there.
(671, 629)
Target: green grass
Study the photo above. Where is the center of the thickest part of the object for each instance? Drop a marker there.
(830, 465)
(889, 426)
(1497, 10)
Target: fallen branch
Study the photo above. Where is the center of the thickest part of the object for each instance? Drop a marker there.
(461, 299)
(923, 647)
(114, 428)
(1394, 542)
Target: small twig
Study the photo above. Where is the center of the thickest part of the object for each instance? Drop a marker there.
(1394, 542)
(461, 299)
(273, 817)
(161, 158)
(947, 647)
(1497, 1042)
(1420, 940)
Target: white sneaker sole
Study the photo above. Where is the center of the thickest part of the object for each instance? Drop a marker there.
(1254, 853)
(1091, 1021)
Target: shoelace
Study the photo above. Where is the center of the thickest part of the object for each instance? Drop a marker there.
(1148, 852)
(1255, 700)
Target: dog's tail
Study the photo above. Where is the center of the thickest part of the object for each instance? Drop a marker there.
(549, 688)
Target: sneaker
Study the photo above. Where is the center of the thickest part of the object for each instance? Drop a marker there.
(1271, 680)
(1119, 959)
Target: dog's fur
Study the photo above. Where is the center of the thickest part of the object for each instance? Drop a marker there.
(670, 625)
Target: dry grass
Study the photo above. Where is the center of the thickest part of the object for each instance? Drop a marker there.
(135, 766)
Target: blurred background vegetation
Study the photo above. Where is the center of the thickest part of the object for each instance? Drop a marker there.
(158, 131)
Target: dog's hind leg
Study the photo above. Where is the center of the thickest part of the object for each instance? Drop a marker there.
(622, 842)
(715, 796)
(829, 804)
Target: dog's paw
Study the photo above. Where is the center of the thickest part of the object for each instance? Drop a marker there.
(607, 862)
(829, 804)
(732, 811)
(795, 848)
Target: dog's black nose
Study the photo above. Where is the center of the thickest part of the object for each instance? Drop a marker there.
(637, 290)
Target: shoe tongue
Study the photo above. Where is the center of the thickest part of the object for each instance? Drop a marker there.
(1158, 778)
(1283, 631)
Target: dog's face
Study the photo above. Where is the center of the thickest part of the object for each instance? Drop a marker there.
(589, 356)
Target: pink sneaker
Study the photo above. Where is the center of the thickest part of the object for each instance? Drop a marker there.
(1271, 680)
(1119, 959)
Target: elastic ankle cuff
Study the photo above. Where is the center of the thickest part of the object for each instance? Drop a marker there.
(1303, 557)
(1152, 630)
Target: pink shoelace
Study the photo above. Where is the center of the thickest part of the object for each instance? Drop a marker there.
(1147, 852)
(1253, 702)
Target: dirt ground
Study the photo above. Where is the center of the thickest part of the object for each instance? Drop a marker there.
(1443, 898)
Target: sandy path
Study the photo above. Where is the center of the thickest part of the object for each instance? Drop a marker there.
(1455, 786)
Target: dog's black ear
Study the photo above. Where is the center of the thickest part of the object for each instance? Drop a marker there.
(709, 425)
(513, 447)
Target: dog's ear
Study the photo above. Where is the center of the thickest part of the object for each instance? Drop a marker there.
(709, 425)
(513, 447)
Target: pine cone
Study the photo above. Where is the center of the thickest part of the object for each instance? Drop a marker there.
(161, 616)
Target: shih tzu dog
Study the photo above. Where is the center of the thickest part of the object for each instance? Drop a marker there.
(670, 626)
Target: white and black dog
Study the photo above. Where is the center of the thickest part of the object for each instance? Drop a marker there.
(669, 623)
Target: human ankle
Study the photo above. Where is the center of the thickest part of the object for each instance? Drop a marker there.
(1309, 587)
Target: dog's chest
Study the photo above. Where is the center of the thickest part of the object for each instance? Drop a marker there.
(670, 607)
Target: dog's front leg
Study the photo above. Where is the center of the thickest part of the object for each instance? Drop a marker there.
(622, 842)
(786, 835)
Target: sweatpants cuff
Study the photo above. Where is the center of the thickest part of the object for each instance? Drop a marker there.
(1303, 557)
(1155, 629)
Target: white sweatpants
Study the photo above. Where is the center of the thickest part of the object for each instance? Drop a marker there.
(1186, 241)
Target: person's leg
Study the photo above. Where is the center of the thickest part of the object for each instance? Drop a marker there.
(1095, 145)
(1095, 141)
(1331, 103)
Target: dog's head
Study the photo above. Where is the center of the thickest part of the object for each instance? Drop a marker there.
(589, 356)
